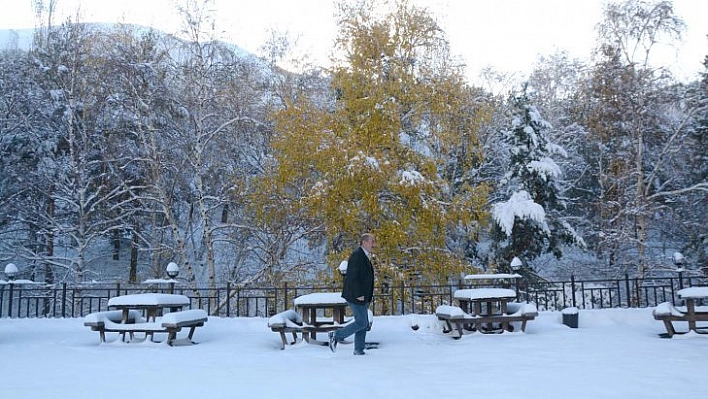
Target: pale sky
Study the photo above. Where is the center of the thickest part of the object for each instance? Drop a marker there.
(506, 34)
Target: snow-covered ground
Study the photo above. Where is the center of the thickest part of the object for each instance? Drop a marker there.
(614, 354)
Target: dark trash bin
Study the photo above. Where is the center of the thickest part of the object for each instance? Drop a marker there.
(570, 317)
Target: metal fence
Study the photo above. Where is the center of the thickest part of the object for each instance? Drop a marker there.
(33, 300)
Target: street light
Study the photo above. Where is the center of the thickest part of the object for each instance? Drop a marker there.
(11, 271)
(516, 264)
(343, 267)
(678, 261)
(172, 272)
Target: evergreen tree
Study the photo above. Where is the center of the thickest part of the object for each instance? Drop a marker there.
(531, 221)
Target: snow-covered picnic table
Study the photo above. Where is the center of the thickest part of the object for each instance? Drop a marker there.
(481, 308)
(668, 313)
(488, 305)
(139, 313)
(320, 312)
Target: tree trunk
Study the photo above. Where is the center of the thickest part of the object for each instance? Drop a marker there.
(116, 244)
(133, 268)
(641, 204)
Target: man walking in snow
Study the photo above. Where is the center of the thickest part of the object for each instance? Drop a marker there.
(358, 291)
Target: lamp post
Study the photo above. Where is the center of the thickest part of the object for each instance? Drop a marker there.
(678, 261)
(11, 271)
(342, 268)
(516, 265)
(172, 272)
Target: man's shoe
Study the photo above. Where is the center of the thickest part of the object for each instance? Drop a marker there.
(332, 341)
(359, 353)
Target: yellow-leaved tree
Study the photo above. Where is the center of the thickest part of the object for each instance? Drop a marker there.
(393, 151)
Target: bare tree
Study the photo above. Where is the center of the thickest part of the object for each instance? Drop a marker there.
(632, 134)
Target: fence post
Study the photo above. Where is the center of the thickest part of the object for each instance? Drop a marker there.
(680, 278)
(63, 299)
(673, 291)
(451, 289)
(572, 290)
(9, 307)
(228, 299)
(403, 298)
(285, 296)
(238, 300)
(629, 292)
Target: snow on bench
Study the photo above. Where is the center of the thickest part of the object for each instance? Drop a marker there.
(173, 322)
(284, 322)
(288, 318)
(454, 315)
(184, 318)
(522, 309)
(451, 311)
(98, 320)
(666, 310)
(115, 316)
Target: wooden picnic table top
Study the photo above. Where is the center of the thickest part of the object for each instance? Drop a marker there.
(480, 294)
(493, 276)
(148, 300)
(320, 299)
(693, 292)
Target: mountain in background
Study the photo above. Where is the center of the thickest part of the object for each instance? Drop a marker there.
(21, 39)
(16, 39)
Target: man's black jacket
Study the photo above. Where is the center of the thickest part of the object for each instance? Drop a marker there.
(359, 280)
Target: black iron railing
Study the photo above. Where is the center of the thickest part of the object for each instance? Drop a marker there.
(33, 300)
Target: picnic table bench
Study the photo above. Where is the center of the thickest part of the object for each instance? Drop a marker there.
(98, 320)
(288, 321)
(517, 312)
(173, 323)
(454, 315)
